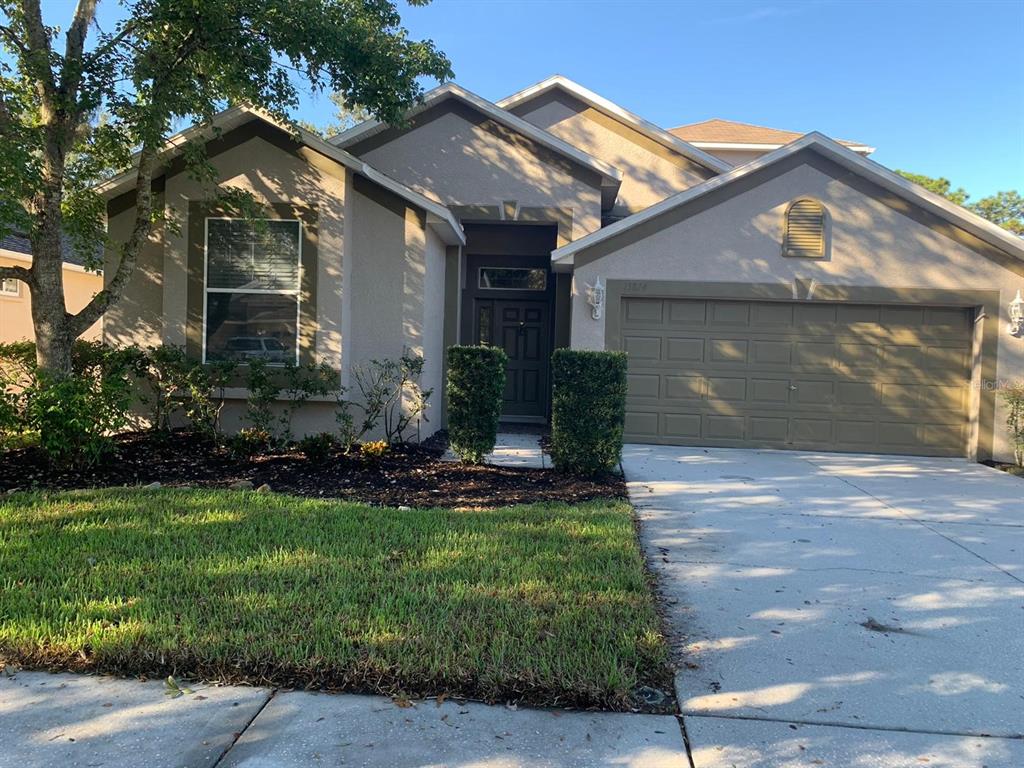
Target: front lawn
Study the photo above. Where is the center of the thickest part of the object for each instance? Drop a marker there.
(548, 603)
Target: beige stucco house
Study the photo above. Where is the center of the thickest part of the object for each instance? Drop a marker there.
(770, 289)
(80, 285)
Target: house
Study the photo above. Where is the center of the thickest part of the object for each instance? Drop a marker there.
(80, 285)
(803, 297)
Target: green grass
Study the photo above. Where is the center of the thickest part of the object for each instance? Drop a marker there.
(549, 602)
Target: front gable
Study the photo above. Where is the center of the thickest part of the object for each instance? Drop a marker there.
(484, 169)
(652, 170)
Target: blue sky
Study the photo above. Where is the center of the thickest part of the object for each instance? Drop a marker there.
(936, 86)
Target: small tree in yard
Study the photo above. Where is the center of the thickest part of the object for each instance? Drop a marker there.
(107, 99)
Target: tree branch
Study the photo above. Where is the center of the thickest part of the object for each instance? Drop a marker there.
(71, 77)
(16, 273)
(14, 40)
(38, 55)
(130, 252)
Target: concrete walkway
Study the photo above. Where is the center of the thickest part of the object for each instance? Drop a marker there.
(76, 720)
(840, 610)
(513, 449)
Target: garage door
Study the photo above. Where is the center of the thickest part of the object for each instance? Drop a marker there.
(842, 377)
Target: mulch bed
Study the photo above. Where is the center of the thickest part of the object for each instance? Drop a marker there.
(410, 475)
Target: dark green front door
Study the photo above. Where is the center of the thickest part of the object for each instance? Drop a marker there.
(522, 328)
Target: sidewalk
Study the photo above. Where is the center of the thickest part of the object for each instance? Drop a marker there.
(77, 720)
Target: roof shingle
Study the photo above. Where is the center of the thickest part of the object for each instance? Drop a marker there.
(720, 131)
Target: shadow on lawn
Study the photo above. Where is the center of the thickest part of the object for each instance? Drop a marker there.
(547, 604)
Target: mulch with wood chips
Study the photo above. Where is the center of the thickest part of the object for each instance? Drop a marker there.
(409, 475)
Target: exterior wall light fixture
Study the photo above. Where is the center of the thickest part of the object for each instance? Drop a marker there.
(595, 298)
(1016, 326)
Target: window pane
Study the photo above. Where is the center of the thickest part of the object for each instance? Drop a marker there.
(243, 256)
(10, 286)
(242, 326)
(512, 279)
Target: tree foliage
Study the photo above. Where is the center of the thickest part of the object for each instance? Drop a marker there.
(166, 63)
(1003, 208)
(940, 186)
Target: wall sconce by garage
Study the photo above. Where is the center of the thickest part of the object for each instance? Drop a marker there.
(595, 298)
(1016, 326)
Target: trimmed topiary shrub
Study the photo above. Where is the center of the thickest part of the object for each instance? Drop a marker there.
(588, 410)
(476, 383)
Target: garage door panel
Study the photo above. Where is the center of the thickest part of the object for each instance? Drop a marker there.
(643, 311)
(787, 374)
(774, 391)
(682, 426)
(687, 313)
(684, 387)
(729, 351)
(644, 384)
(814, 393)
(767, 352)
(727, 389)
(719, 427)
(811, 431)
(642, 423)
(643, 347)
(684, 350)
(774, 316)
(768, 429)
(730, 313)
(814, 317)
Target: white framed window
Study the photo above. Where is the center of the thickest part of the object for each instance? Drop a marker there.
(252, 277)
(10, 287)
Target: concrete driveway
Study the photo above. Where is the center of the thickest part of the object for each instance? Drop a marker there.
(837, 609)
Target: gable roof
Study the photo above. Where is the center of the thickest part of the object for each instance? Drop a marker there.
(730, 134)
(613, 110)
(438, 216)
(611, 177)
(970, 222)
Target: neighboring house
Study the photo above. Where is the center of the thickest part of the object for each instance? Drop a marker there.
(809, 298)
(740, 143)
(16, 302)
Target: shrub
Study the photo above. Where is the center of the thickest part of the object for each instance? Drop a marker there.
(249, 441)
(317, 447)
(302, 382)
(588, 410)
(263, 392)
(476, 383)
(1014, 397)
(75, 416)
(374, 449)
(390, 396)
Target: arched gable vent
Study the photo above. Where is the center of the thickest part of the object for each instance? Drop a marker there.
(805, 229)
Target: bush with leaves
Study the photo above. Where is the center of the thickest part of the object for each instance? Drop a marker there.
(390, 397)
(476, 384)
(317, 447)
(301, 383)
(588, 410)
(1014, 399)
(74, 415)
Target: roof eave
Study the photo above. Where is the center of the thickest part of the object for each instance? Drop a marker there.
(609, 174)
(441, 219)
